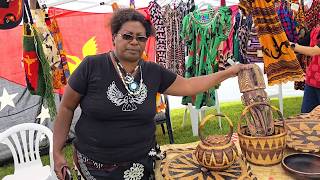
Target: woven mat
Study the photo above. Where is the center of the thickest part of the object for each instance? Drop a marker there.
(275, 172)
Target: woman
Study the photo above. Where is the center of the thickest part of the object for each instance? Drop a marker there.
(311, 96)
(115, 134)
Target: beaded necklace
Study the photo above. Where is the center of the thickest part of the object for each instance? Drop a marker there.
(132, 87)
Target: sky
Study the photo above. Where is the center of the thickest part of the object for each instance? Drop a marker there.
(84, 5)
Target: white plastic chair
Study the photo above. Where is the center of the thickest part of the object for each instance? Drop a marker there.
(197, 115)
(24, 141)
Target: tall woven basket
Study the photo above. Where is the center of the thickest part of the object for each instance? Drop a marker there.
(262, 150)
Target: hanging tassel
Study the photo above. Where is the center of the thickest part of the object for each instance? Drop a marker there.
(223, 3)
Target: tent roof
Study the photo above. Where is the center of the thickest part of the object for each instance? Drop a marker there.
(93, 5)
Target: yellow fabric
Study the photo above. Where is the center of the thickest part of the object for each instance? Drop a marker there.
(114, 6)
(280, 62)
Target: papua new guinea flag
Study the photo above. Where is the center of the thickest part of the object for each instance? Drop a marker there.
(86, 33)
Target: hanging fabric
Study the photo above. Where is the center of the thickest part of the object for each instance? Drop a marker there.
(245, 24)
(250, 50)
(203, 33)
(236, 43)
(280, 62)
(312, 15)
(254, 49)
(114, 6)
(132, 4)
(157, 20)
(300, 17)
(190, 7)
(63, 69)
(11, 13)
(175, 45)
(50, 48)
(287, 21)
(227, 46)
(37, 69)
(312, 73)
(302, 29)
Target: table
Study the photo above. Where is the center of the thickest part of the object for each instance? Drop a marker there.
(275, 172)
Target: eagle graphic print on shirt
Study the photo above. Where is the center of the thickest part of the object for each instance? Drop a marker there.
(127, 101)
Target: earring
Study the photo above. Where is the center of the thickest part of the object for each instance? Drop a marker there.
(113, 41)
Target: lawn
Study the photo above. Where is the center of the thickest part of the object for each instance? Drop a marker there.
(184, 134)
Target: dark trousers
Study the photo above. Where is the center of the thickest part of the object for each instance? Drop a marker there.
(142, 169)
(311, 98)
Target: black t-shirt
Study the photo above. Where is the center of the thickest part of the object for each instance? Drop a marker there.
(115, 126)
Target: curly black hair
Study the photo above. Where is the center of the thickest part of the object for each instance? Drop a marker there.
(122, 16)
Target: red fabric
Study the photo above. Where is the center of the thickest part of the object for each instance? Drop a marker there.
(76, 29)
(11, 55)
(313, 70)
(31, 66)
(228, 44)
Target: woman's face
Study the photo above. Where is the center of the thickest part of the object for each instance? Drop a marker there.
(130, 41)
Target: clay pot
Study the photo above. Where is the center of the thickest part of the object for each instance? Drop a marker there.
(251, 79)
(262, 150)
(216, 152)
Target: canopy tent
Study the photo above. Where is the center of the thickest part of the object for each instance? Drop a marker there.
(94, 5)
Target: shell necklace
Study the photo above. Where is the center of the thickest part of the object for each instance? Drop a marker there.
(132, 86)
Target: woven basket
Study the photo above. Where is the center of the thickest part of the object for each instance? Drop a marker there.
(216, 152)
(262, 150)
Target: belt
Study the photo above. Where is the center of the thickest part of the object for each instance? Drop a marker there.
(93, 165)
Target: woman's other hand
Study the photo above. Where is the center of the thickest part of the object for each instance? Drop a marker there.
(59, 163)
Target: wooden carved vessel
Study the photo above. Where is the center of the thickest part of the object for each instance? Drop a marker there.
(251, 84)
(262, 150)
(261, 116)
(216, 152)
(251, 79)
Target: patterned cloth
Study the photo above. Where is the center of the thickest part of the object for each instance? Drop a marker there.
(287, 21)
(313, 70)
(203, 32)
(35, 60)
(227, 45)
(170, 48)
(281, 64)
(161, 40)
(254, 49)
(59, 68)
(249, 45)
(132, 4)
(236, 42)
(312, 16)
(303, 59)
(191, 6)
(300, 18)
(244, 24)
(175, 45)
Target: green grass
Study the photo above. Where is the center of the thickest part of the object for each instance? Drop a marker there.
(184, 134)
